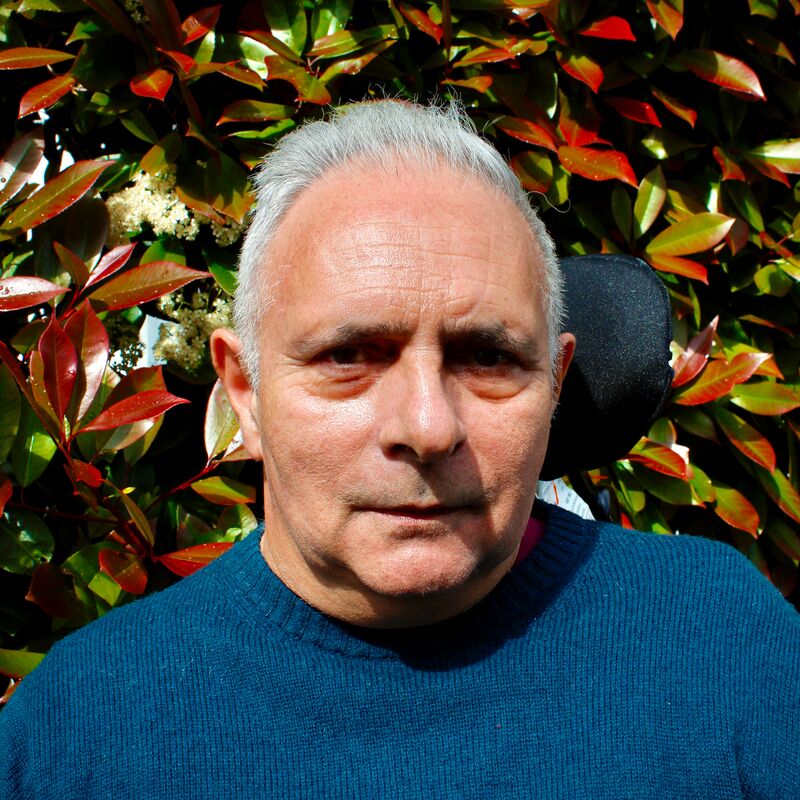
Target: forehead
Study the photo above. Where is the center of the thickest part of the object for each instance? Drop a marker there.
(373, 243)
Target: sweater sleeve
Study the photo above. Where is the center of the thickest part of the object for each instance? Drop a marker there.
(14, 724)
(768, 689)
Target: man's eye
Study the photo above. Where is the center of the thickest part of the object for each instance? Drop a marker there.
(346, 355)
(491, 357)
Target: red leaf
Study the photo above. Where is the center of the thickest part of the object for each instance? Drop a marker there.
(767, 169)
(692, 360)
(43, 95)
(22, 292)
(597, 165)
(90, 340)
(87, 473)
(636, 110)
(718, 378)
(51, 591)
(26, 57)
(722, 70)
(155, 83)
(143, 283)
(164, 23)
(480, 83)
(734, 508)
(141, 406)
(582, 68)
(190, 559)
(197, 25)
(110, 263)
(660, 458)
(72, 263)
(5, 491)
(19, 163)
(678, 108)
(421, 20)
(56, 195)
(527, 131)
(185, 63)
(767, 398)
(668, 14)
(60, 362)
(746, 439)
(731, 171)
(254, 111)
(125, 569)
(610, 28)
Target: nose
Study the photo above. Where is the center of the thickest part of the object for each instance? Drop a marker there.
(420, 416)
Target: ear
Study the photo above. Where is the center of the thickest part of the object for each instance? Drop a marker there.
(567, 350)
(225, 351)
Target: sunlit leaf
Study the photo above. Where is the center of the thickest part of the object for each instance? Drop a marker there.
(189, 560)
(527, 131)
(27, 57)
(649, 201)
(597, 165)
(224, 491)
(43, 95)
(10, 410)
(583, 68)
(110, 263)
(33, 449)
(722, 70)
(781, 491)
(480, 83)
(678, 108)
(199, 23)
(733, 507)
(56, 195)
(154, 83)
(616, 28)
(746, 438)
(126, 569)
(767, 397)
(692, 360)
(636, 110)
(255, 111)
(90, 340)
(783, 154)
(287, 21)
(308, 87)
(345, 42)
(716, 380)
(141, 406)
(220, 423)
(421, 20)
(692, 235)
(18, 164)
(23, 292)
(660, 458)
(60, 363)
(668, 14)
(143, 283)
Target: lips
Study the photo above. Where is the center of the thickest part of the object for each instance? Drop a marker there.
(417, 512)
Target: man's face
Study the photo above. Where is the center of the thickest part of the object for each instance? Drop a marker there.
(404, 399)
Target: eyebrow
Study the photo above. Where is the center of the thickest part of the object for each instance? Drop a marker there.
(350, 333)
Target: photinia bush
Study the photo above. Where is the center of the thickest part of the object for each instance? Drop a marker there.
(662, 129)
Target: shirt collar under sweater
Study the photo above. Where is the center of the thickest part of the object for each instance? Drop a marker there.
(522, 595)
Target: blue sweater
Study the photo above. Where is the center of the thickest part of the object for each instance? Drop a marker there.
(608, 664)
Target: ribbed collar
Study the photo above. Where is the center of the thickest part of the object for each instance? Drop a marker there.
(265, 603)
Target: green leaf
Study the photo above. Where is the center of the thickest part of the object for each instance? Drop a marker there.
(220, 424)
(224, 491)
(650, 198)
(746, 438)
(10, 411)
(329, 16)
(781, 490)
(18, 164)
(162, 154)
(692, 235)
(767, 397)
(287, 21)
(784, 537)
(781, 153)
(344, 42)
(621, 209)
(733, 507)
(18, 663)
(25, 542)
(534, 170)
(33, 449)
(255, 111)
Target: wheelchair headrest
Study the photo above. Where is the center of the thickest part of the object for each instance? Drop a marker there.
(619, 311)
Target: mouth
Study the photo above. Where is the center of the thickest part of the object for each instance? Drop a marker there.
(412, 512)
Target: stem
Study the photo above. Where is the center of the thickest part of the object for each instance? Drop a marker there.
(59, 514)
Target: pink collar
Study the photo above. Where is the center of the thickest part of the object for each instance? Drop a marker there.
(532, 536)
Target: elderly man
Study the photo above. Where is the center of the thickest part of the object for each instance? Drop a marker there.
(390, 635)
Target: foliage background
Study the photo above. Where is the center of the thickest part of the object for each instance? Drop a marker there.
(666, 129)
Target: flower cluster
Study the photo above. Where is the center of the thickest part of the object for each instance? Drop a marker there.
(151, 200)
(126, 347)
(184, 340)
(136, 10)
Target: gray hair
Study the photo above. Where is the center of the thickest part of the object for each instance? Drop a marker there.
(371, 133)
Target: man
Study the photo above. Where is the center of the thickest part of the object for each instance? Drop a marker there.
(395, 368)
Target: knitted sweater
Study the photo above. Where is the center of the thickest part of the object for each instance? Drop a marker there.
(608, 664)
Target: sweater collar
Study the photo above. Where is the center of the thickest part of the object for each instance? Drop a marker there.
(264, 602)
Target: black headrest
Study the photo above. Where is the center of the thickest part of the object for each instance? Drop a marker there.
(619, 311)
